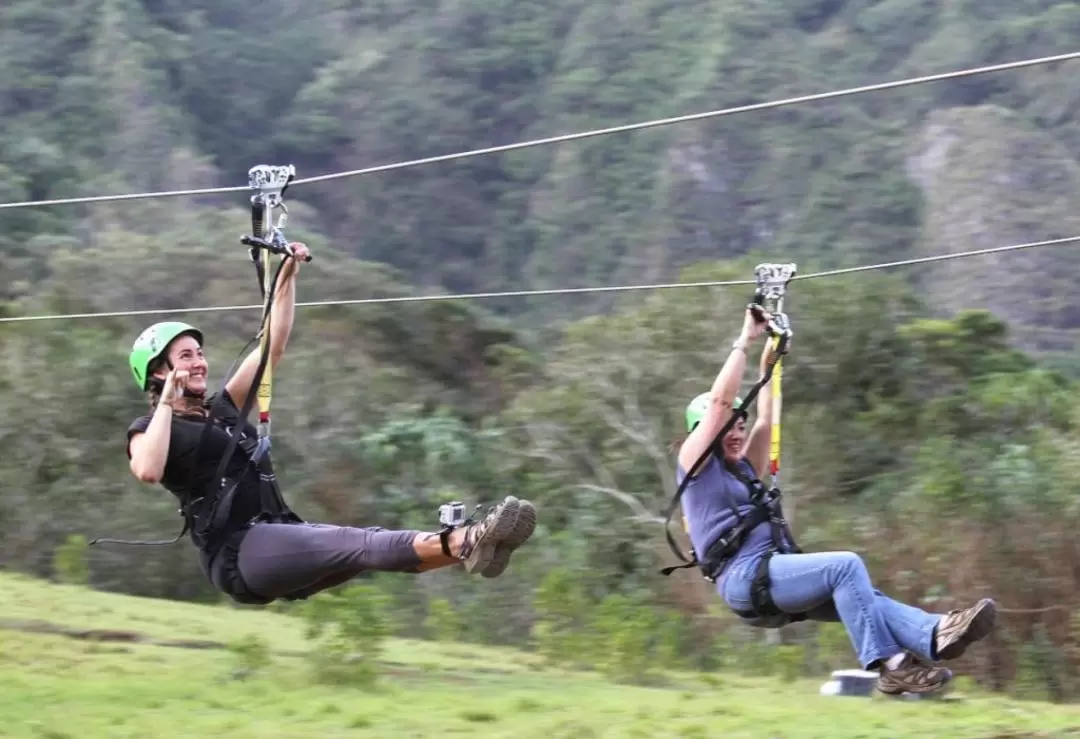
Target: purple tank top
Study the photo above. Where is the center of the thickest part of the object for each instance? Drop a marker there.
(707, 505)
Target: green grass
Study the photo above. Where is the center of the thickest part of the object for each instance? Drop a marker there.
(53, 686)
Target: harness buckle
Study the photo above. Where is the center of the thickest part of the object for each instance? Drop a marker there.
(261, 448)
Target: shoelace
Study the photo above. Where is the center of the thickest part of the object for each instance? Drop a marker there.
(473, 533)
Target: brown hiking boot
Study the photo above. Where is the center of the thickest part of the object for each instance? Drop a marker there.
(523, 529)
(482, 537)
(960, 628)
(912, 676)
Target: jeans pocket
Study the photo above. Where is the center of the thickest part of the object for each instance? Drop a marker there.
(735, 588)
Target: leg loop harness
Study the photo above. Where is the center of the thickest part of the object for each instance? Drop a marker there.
(767, 509)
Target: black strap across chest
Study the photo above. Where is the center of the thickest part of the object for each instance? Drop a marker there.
(207, 515)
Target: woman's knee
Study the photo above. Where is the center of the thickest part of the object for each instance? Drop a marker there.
(847, 567)
(833, 567)
(837, 561)
(849, 561)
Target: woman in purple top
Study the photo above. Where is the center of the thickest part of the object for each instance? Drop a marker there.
(904, 643)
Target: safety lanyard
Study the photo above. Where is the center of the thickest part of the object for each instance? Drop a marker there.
(772, 280)
(271, 184)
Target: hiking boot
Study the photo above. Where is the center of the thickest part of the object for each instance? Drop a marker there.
(481, 538)
(912, 676)
(523, 529)
(960, 628)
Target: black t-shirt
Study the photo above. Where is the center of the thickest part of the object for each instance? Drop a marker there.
(183, 442)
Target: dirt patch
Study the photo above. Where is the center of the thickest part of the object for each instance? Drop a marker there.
(125, 636)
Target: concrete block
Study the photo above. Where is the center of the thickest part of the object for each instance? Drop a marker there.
(858, 683)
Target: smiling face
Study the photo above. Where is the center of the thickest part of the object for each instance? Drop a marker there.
(733, 441)
(186, 354)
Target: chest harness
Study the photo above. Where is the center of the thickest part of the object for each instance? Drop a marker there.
(207, 516)
(772, 280)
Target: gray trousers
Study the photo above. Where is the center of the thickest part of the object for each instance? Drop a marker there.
(277, 560)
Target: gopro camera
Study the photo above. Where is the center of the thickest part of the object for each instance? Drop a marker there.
(452, 514)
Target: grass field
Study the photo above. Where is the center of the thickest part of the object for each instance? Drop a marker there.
(54, 686)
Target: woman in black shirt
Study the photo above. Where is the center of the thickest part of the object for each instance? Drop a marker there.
(252, 546)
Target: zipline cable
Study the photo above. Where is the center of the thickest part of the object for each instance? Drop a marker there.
(769, 105)
(753, 107)
(550, 291)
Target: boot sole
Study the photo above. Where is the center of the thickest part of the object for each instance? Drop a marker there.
(979, 628)
(498, 530)
(523, 529)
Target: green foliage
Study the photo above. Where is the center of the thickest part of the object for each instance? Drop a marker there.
(128, 94)
(791, 661)
(625, 637)
(429, 690)
(622, 631)
(70, 561)
(934, 399)
(832, 646)
(442, 622)
(348, 627)
(251, 654)
(562, 608)
(1041, 670)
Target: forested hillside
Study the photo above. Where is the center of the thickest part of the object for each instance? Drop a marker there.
(930, 415)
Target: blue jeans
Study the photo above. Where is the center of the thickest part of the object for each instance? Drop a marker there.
(835, 586)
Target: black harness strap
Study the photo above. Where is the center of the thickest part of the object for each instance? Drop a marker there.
(761, 602)
(272, 503)
(212, 513)
(767, 509)
(768, 500)
(199, 449)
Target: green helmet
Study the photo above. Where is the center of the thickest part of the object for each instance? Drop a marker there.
(698, 407)
(152, 343)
